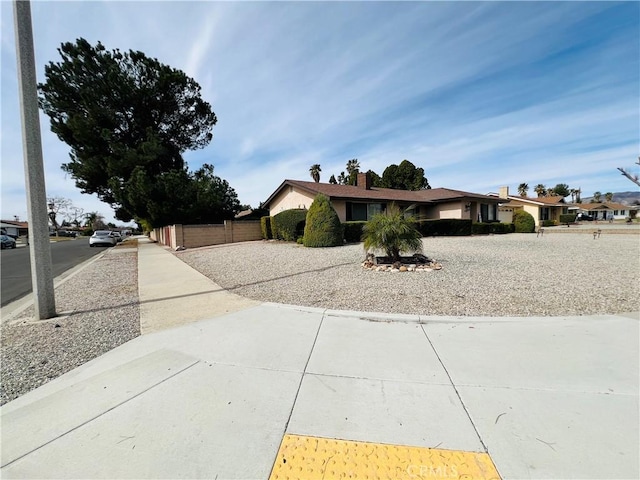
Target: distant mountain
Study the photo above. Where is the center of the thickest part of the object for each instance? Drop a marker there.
(626, 198)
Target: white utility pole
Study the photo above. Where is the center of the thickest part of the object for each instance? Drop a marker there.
(39, 247)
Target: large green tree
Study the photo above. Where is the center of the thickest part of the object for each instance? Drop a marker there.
(405, 176)
(124, 115)
(562, 189)
(180, 196)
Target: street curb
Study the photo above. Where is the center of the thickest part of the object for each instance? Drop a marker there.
(434, 319)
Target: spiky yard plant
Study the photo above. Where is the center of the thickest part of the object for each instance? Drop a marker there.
(392, 231)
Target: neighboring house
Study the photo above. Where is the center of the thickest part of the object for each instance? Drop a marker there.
(540, 208)
(604, 210)
(362, 201)
(13, 228)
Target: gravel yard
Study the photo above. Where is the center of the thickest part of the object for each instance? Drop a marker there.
(499, 275)
(99, 311)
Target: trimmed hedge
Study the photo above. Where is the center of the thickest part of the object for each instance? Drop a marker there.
(446, 226)
(265, 226)
(353, 231)
(322, 227)
(567, 218)
(524, 222)
(549, 223)
(492, 228)
(289, 224)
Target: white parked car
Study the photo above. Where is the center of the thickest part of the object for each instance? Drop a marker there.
(117, 236)
(102, 237)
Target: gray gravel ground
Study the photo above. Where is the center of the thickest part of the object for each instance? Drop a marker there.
(499, 275)
(99, 311)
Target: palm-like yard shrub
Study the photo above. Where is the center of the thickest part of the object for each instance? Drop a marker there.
(524, 222)
(323, 227)
(392, 232)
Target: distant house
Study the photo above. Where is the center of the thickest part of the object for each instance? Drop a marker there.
(540, 208)
(362, 201)
(605, 210)
(14, 229)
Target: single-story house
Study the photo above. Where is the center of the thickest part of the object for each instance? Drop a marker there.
(540, 208)
(604, 210)
(362, 201)
(14, 228)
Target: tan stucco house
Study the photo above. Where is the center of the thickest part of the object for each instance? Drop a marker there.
(540, 208)
(605, 210)
(362, 201)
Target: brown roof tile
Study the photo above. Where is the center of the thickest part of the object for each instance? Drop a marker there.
(433, 195)
(602, 206)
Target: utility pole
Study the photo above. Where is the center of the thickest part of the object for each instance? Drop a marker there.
(39, 247)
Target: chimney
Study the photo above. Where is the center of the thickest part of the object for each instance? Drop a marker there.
(363, 180)
(504, 192)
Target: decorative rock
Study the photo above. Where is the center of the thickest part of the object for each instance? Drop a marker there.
(426, 265)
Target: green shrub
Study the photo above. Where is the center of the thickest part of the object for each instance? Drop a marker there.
(549, 223)
(289, 224)
(445, 226)
(524, 222)
(567, 218)
(353, 231)
(489, 228)
(265, 226)
(322, 227)
(392, 232)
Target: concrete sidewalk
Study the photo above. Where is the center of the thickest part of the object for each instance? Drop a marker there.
(245, 394)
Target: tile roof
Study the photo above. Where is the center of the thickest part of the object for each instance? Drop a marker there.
(433, 195)
(602, 206)
(17, 224)
(555, 201)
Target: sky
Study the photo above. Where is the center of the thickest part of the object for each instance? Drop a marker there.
(478, 94)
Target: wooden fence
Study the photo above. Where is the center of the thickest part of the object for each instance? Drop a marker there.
(192, 236)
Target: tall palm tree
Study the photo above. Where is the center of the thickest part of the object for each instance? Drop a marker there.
(573, 192)
(597, 197)
(94, 220)
(315, 172)
(608, 196)
(353, 168)
(550, 192)
(523, 188)
(540, 190)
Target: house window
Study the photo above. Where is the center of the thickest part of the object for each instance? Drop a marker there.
(356, 211)
(363, 211)
(373, 209)
(411, 212)
(488, 212)
(544, 213)
(615, 212)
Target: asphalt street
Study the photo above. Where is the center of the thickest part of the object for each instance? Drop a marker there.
(16, 265)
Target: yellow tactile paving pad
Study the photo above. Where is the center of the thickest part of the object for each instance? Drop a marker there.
(311, 458)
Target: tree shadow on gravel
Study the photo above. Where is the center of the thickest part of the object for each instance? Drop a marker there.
(291, 275)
